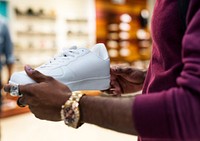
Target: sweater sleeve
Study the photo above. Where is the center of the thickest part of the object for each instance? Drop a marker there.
(174, 113)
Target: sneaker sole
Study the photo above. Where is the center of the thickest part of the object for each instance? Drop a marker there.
(102, 83)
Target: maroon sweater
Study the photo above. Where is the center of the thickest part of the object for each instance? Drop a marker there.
(169, 108)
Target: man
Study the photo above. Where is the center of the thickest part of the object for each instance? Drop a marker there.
(168, 110)
(6, 49)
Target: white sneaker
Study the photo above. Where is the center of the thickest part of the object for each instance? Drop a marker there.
(78, 68)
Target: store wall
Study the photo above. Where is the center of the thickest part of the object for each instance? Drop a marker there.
(71, 18)
(40, 37)
(64, 9)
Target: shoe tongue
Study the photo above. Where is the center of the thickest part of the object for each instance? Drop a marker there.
(72, 50)
(73, 47)
(65, 50)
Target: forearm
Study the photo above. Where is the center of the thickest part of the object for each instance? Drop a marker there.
(113, 113)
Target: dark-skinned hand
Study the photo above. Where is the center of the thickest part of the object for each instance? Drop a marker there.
(45, 97)
(125, 80)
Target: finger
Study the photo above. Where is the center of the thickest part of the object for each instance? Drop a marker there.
(6, 88)
(115, 87)
(27, 89)
(12, 89)
(35, 75)
(25, 93)
(28, 94)
(21, 102)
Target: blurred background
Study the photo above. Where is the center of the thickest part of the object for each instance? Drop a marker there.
(41, 28)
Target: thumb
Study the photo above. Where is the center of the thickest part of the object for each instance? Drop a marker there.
(35, 75)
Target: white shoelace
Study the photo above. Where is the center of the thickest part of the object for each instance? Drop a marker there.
(65, 55)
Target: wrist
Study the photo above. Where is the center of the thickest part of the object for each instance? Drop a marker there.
(70, 111)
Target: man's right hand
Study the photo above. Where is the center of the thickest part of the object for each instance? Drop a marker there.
(45, 97)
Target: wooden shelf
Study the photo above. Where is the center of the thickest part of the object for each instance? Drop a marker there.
(84, 21)
(35, 49)
(35, 17)
(26, 33)
(10, 108)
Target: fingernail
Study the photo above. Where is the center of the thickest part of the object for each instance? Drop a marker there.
(112, 89)
(29, 69)
(114, 68)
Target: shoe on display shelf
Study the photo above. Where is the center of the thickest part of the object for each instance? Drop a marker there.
(78, 68)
